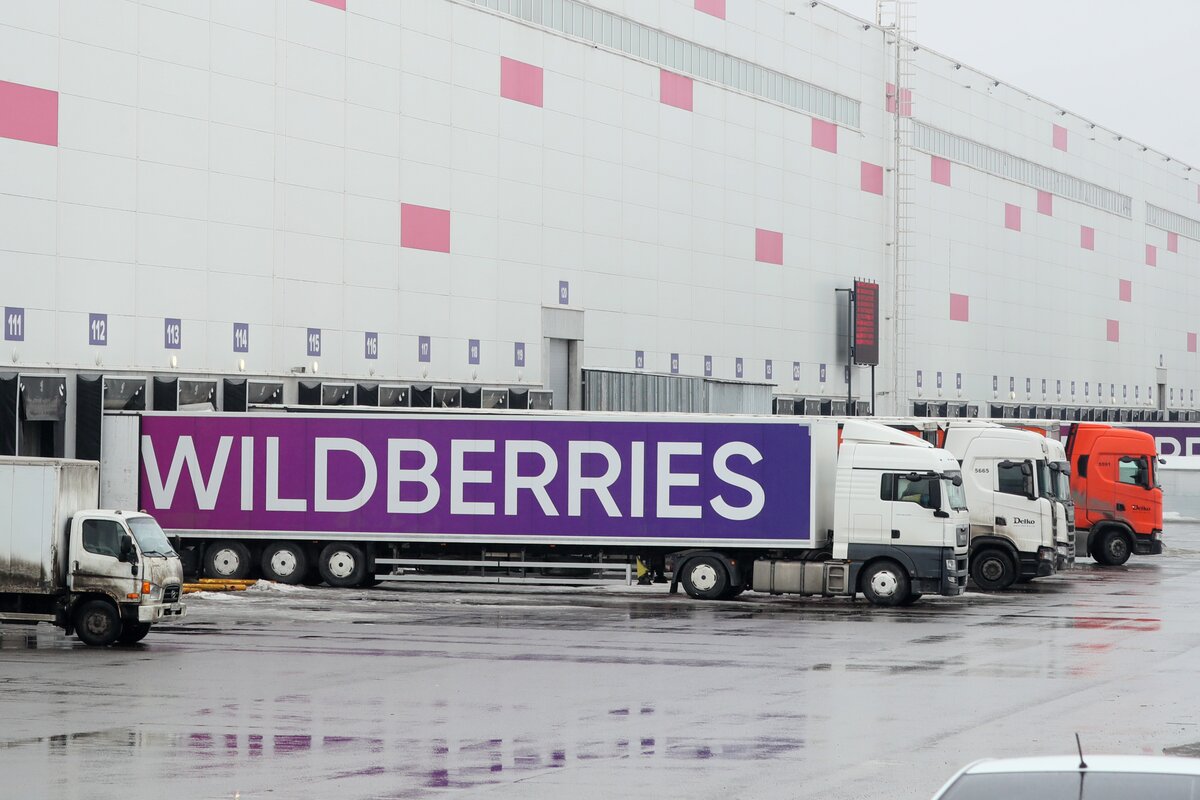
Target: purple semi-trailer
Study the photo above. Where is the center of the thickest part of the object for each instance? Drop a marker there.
(725, 503)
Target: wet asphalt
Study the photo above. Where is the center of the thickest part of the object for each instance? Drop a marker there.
(423, 690)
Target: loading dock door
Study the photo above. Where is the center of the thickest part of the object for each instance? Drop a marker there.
(558, 378)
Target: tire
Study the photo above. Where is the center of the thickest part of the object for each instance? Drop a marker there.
(227, 559)
(993, 570)
(705, 578)
(912, 598)
(133, 632)
(885, 583)
(97, 623)
(343, 565)
(1113, 549)
(189, 558)
(285, 562)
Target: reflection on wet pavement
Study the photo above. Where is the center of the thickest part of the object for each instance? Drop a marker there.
(416, 692)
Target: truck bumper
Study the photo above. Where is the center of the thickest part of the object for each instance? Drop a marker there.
(155, 613)
(951, 583)
(1034, 566)
(1148, 545)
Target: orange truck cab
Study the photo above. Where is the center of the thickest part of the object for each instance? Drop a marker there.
(1118, 500)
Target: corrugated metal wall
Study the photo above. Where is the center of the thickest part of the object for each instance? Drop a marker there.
(605, 390)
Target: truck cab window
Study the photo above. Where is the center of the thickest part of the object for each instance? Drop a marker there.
(1010, 480)
(102, 537)
(1134, 471)
(923, 491)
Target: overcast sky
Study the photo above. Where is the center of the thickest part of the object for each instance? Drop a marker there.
(1133, 67)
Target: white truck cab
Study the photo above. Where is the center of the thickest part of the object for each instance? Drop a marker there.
(1064, 502)
(900, 501)
(106, 576)
(1012, 519)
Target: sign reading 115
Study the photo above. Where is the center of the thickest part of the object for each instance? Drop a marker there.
(314, 341)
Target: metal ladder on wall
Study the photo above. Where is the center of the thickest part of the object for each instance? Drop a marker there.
(898, 19)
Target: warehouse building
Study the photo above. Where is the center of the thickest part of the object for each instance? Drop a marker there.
(608, 204)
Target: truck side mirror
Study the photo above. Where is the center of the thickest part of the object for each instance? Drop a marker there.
(1027, 484)
(128, 553)
(1027, 469)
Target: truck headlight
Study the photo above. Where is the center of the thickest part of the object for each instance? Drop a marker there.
(951, 565)
(1062, 550)
(1046, 553)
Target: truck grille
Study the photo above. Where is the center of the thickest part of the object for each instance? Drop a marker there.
(171, 593)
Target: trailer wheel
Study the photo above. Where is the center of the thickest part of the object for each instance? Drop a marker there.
(705, 578)
(885, 583)
(992, 570)
(133, 632)
(1113, 548)
(285, 562)
(343, 565)
(228, 560)
(97, 623)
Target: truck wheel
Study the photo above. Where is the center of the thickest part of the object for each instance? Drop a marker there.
(285, 562)
(912, 598)
(885, 583)
(1113, 548)
(228, 560)
(705, 578)
(992, 570)
(343, 565)
(133, 632)
(97, 623)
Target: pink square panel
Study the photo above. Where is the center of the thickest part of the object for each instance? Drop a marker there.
(713, 7)
(824, 135)
(1173, 242)
(520, 81)
(1114, 330)
(960, 307)
(1060, 138)
(1087, 237)
(1126, 290)
(768, 246)
(675, 90)
(1191, 342)
(1151, 256)
(1012, 217)
(905, 101)
(339, 4)
(423, 228)
(28, 113)
(940, 171)
(871, 178)
(1045, 203)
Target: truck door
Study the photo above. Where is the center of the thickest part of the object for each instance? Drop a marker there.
(95, 558)
(1021, 520)
(1132, 488)
(915, 498)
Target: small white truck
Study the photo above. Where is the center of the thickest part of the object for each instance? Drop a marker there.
(106, 576)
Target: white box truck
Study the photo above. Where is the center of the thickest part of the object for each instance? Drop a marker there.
(771, 504)
(107, 576)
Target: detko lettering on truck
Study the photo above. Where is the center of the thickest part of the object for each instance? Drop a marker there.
(441, 477)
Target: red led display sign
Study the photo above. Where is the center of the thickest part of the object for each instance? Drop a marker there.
(866, 323)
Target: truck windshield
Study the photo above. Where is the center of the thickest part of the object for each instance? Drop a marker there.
(1062, 474)
(150, 537)
(956, 495)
